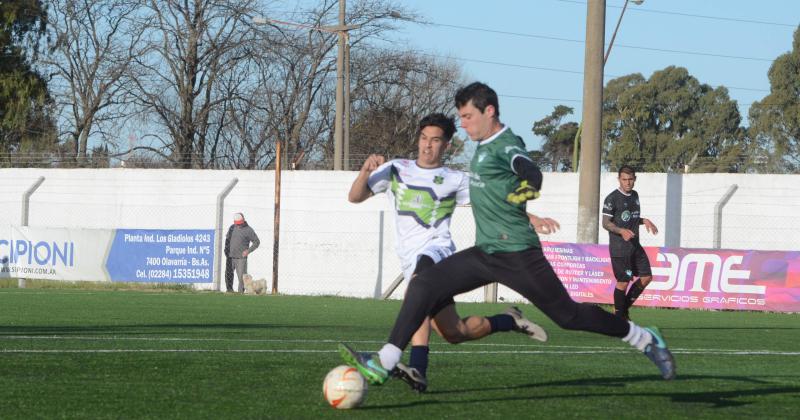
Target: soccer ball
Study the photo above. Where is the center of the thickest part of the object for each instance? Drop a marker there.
(344, 387)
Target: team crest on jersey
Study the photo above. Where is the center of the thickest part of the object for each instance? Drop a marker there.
(438, 179)
(626, 215)
(481, 157)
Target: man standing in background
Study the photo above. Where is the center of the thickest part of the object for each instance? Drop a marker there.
(240, 241)
(621, 218)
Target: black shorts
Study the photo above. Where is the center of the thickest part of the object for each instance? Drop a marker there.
(424, 262)
(634, 265)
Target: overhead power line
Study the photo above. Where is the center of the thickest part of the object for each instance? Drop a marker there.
(578, 41)
(667, 12)
(526, 66)
(553, 69)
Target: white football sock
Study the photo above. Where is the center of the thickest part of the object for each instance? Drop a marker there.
(389, 355)
(638, 337)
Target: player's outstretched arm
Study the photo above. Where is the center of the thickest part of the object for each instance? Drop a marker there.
(650, 226)
(544, 225)
(360, 191)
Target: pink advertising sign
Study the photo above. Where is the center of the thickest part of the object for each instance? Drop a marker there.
(686, 277)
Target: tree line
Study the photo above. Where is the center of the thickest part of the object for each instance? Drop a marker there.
(196, 84)
(672, 122)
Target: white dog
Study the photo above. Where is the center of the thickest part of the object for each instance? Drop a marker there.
(254, 287)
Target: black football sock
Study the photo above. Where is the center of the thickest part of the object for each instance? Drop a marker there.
(636, 289)
(419, 359)
(501, 322)
(620, 303)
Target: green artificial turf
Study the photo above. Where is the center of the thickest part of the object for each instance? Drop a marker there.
(167, 354)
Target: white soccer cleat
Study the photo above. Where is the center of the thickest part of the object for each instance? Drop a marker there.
(526, 326)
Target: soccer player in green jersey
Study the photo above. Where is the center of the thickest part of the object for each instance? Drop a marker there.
(507, 250)
(423, 193)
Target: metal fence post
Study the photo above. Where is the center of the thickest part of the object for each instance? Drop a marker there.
(379, 281)
(490, 293)
(672, 224)
(26, 199)
(718, 215)
(218, 232)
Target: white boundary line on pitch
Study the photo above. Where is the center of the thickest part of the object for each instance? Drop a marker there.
(538, 352)
(596, 349)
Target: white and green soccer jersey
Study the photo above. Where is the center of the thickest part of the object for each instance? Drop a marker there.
(500, 226)
(423, 201)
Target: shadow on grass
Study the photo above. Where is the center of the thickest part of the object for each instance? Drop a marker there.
(716, 399)
(138, 329)
(731, 328)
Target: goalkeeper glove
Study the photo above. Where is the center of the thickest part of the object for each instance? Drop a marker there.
(522, 194)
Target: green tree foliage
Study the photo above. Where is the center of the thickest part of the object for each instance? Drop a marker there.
(775, 120)
(558, 139)
(25, 122)
(670, 121)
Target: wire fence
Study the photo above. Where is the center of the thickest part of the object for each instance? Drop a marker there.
(300, 161)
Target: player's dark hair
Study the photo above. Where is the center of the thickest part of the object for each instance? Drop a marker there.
(481, 96)
(447, 124)
(625, 169)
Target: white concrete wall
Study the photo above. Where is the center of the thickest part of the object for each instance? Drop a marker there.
(330, 246)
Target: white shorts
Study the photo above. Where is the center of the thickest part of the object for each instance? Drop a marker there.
(436, 252)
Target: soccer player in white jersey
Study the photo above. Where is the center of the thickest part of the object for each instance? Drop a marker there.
(424, 194)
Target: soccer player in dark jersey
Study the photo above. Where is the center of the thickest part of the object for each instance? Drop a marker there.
(621, 218)
(507, 249)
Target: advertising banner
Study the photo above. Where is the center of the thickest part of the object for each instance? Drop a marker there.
(129, 255)
(686, 277)
(162, 256)
(54, 254)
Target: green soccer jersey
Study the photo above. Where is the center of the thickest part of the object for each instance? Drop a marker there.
(500, 226)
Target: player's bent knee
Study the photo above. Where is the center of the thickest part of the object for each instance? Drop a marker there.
(450, 333)
(453, 337)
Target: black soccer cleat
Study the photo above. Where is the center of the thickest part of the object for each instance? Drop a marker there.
(411, 376)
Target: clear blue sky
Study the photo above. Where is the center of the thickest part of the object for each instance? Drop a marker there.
(720, 42)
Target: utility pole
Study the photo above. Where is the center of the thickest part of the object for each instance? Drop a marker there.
(346, 130)
(341, 124)
(338, 132)
(589, 178)
(575, 146)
